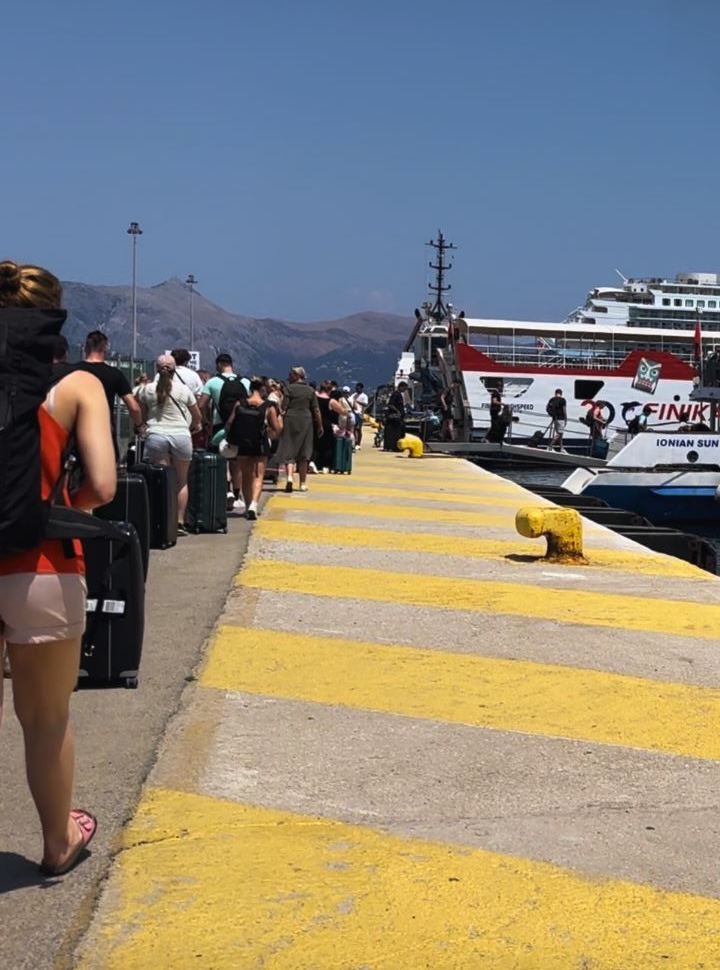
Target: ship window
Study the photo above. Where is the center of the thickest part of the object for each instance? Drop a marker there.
(666, 302)
(700, 303)
(493, 383)
(712, 304)
(688, 302)
(587, 390)
(677, 302)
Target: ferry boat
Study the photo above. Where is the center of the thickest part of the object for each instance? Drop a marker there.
(628, 347)
(669, 477)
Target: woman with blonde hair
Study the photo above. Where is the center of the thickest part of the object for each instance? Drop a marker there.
(42, 589)
(172, 416)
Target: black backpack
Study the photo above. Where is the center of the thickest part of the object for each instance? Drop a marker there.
(505, 417)
(247, 427)
(232, 391)
(26, 519)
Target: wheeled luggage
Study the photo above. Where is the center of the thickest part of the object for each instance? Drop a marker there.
(207, 493)
(599, 448)
(135, 452)
(343, 455)
(131, 504)
(162, 486)
(112, 644)
(272, 470)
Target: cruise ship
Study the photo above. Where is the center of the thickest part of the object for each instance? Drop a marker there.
(641, 343)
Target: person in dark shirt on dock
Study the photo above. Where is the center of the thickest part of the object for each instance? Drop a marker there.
(395, 418)
(557, 409)
(499, 419)
(114, 382)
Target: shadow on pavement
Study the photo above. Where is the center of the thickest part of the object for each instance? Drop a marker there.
(19, 872)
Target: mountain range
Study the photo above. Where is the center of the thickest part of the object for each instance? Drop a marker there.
(362, 347)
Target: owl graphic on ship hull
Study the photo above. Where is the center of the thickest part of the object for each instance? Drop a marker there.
(647, 376)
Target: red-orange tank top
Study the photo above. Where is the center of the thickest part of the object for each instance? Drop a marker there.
(51, 556)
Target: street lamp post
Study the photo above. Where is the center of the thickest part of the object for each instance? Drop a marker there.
(134, 231)
(192, 282)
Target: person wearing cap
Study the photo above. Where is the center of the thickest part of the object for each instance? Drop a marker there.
(349, 414)
(172, 415)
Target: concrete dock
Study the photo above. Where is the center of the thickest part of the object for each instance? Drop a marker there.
(412, 743)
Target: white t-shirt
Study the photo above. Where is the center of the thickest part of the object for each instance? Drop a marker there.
(190, 378)
(173, 417)
(359, 402)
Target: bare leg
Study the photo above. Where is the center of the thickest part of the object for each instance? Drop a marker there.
(44, 676)
(302, 470)
(290, 470)
(182, 468)
(235, 472)
(259, 472)
(247, 477)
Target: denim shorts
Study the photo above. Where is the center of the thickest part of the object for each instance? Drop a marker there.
(161, 446)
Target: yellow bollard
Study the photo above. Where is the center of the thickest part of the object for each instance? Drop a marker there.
(562, 527)
(411, 443)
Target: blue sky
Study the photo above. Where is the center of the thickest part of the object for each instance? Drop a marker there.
(295, 156)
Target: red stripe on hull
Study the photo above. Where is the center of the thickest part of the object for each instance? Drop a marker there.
(470, 359)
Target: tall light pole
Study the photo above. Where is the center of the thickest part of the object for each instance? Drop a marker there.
(191, 282)
(134, 231)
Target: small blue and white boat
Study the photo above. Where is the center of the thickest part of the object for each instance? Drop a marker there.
(669, 477)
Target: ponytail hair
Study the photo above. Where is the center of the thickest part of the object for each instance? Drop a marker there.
(166, 371)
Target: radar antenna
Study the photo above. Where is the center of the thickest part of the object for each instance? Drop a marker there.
(438, 311)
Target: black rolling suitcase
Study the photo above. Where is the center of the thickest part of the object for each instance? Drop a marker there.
(112, 644)
(131, 504)
(207, 493)
(161, 481)
(135, 452)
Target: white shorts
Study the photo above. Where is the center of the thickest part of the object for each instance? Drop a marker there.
(42, 607)
(161, 446)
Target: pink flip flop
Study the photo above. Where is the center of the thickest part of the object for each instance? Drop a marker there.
(87, 824)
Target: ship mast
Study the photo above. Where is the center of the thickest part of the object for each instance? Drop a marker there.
(438, 311)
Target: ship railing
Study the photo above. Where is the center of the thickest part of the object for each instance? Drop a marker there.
(570, 357)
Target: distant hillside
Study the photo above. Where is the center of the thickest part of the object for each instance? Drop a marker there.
(363, 347)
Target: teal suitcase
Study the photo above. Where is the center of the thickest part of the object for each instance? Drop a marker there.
(343, 456)
(207, 493)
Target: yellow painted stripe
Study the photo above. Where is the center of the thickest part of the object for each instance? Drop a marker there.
(207, 883)
(424, 488)
(442, 545)
(379, 510)
(507, 695)
(671, 617)
(466, 478)
(442, 497)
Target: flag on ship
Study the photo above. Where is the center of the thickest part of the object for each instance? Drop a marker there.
(697, 342)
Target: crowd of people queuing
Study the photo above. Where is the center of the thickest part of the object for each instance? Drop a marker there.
(250, 420)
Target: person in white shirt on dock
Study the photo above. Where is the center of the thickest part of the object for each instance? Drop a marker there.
(358, 401)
